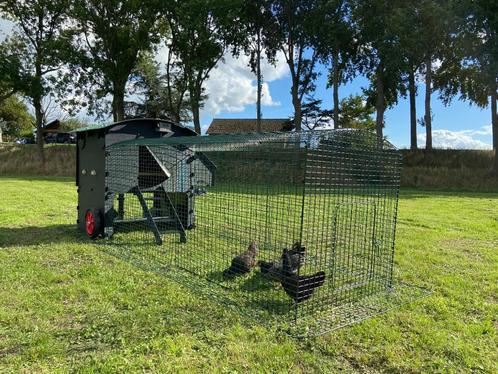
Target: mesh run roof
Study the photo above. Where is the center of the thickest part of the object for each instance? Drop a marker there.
(305, 136)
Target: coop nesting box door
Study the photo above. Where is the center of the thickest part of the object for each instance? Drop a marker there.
(355, 250)
(151, 171)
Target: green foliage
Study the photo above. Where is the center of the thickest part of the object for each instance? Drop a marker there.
(380, 59)
(201, 32)
(335, 37)
(39, 43)
(356, 113)
(313, 116)
(164, 93)
(258, 32)
(471, 71)
(71, 124)
(294, 21)
(43, 48)
(107, 40)
(15, 119)
(12, 79)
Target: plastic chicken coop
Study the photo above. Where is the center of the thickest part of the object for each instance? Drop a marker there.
(294, 227)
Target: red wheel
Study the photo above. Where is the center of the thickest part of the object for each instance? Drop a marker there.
(92, 223)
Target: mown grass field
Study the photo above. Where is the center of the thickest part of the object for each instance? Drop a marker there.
(67, 304)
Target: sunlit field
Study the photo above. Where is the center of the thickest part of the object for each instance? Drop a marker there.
(67, 303)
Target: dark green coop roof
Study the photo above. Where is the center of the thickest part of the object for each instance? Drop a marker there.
(107, 125)
(93, 127)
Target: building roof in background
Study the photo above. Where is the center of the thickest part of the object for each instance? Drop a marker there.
(53, 126)
(247, 125)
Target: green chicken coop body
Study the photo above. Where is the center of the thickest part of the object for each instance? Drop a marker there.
(91, 154)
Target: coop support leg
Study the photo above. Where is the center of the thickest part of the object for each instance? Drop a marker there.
(183, 236)
(150, 220)
(121, 205)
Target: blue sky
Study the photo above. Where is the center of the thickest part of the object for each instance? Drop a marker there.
(458, 125)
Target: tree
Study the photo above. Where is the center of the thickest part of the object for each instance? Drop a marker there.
(313, 116)
(41, 35)
(409, 29)
(380, 57)
(356, 113)
(334, 37)
(258, 39)
(109, 36)
(70, 124)
(432, 35)
(164, 94)
(12, 75)
(293, 20)
(15, 117)
(472, 72)
(201, 32)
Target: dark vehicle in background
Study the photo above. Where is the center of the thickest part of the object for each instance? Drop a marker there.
(60, 137)
(25, 141)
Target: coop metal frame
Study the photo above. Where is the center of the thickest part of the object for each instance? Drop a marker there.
(334, 192)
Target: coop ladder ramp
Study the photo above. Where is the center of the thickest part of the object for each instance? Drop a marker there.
(148, 215)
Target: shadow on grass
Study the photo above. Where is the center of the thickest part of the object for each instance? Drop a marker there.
(252, 297)
(36, 235)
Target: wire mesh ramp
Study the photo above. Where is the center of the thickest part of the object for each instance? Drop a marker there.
(291, 226)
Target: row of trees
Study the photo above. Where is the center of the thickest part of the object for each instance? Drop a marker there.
(90, 53)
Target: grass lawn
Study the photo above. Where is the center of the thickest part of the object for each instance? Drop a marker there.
(67, 304)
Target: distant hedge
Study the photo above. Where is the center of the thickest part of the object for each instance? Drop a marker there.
(18, 159)
(451, 169)
(448, 169)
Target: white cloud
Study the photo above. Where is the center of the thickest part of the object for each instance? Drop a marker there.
(231, 85)
(464, 139)
(484, 131)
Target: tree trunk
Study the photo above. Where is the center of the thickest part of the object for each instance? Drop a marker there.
(428, 92)
(297, 107)
(118, 101)
(37, 96)
(259, 82)
(379, 104)
(413, 109)
(494, 125)
(196, 117)
(37, 103)
(335, 88)
(168, 83)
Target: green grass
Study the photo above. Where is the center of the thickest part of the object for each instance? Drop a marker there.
(67, 304)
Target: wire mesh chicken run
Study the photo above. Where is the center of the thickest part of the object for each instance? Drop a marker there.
(295, 227)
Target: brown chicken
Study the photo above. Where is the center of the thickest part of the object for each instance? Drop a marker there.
(244, 262)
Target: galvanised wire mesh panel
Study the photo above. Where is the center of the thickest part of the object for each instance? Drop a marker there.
(294, 226)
